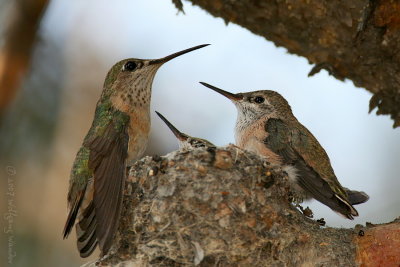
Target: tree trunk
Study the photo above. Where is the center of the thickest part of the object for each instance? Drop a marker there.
(228, 207)
(15, 55)
(358, 40)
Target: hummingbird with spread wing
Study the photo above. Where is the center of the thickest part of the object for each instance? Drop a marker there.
(118, 136)
(266, 126)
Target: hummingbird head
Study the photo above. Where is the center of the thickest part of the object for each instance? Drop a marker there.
(128, 83)
(185, 141)
(178, 134)
(257, 104)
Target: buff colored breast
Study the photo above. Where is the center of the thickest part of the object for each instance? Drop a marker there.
(139, 126)
(139, 131)
(252, 138)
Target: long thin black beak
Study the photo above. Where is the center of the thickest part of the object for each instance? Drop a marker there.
(176, 132)
(177, 54)
(233, 97)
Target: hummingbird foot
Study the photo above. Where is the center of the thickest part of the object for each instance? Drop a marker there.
(235, 146)
(306, 211)
(296, 199)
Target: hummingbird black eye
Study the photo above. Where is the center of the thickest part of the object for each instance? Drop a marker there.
(259, 99)
(130, 66)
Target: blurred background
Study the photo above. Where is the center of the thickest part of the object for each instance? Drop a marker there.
(52, 79)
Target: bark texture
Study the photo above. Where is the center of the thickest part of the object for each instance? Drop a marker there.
(227, 207)
(357, 40)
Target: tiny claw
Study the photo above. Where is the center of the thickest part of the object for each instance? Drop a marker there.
(320, 66)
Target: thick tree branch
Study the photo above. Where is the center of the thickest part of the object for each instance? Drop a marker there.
(227, 207)
(16, 54)
(358, 40)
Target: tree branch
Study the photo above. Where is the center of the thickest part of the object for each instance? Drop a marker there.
(227, 207)
(16, 54)
(358, 40)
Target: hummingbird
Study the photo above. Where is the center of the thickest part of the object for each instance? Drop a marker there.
(186, 141)
(266, 126)
(118, 136)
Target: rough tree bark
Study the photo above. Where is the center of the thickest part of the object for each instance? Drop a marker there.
(358, 40)
(228, 207)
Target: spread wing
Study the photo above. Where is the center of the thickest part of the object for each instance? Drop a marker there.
(108, 153)
(80, 204)
(300, 149)
(97, 181)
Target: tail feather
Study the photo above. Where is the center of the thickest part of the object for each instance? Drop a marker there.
(356, 197)
(86, 232)
(87, 217)
(83, 234)
(87, 247)
(351, 211)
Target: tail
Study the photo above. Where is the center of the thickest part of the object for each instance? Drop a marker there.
(85, 227)
(86, 232)
(353, 198)
(356, 197)
(345, 208)
(321, 190)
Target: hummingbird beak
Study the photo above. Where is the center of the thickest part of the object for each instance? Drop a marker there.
(174, 55)
(233, 97)
(176, 132)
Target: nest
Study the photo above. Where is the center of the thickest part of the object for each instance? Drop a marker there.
(216, 207)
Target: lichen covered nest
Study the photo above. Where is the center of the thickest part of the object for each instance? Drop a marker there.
(216, 207)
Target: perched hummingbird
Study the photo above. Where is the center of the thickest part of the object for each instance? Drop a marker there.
(118, 136)
(185, 141)
(266, 125)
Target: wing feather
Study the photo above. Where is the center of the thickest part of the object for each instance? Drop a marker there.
(108, 154)
(101, 159)
(73, 213)
(300, 149)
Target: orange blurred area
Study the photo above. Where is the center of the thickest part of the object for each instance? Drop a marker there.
(20, 34)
